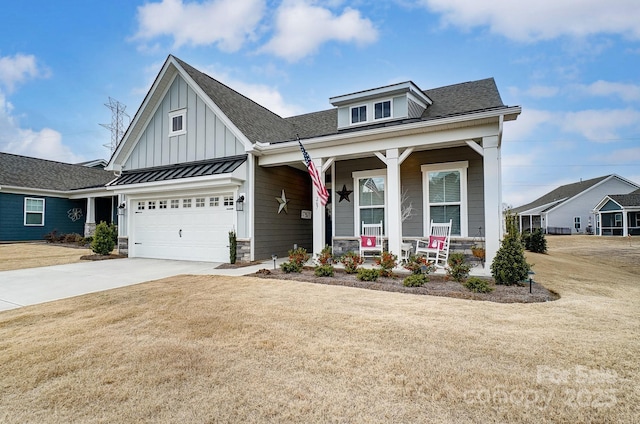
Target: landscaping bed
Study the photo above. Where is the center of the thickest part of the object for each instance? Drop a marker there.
(438, 285)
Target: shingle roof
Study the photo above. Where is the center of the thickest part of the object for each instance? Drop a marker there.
(183, 170)
(627, 200)
(260, 124)
(561, 194)
(28, 172)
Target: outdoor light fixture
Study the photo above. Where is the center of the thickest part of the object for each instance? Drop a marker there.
(240, 203)
(121, 208)
(531, 274)
(274, 257)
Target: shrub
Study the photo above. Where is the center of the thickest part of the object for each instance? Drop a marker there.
(537, 242)
(509, 266)
(299, 256)
(415, 280)
(325, 257)
(72, 238)
(365, 274)
(103, 243)
(351, 261)
(419, 265)
(458, 268)
(324, 270)
(52, 237)
(233, 245)
(387, 261)
(113, 228)
(288, 267)
(478, 285)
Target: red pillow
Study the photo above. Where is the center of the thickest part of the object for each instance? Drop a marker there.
(436, 242)
(367, 241)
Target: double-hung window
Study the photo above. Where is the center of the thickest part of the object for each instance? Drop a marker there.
(358, 114)
(382, 110)
(33, 212)
(370, 198)
(445, 195)
(177, 122)
(576, 223)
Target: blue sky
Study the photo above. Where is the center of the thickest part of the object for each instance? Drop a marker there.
(573, 66)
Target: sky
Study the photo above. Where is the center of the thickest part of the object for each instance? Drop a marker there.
(572, 65)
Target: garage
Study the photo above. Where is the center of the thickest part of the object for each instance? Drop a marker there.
(194, 228)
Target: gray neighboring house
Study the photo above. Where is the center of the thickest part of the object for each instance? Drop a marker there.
(39, 196)
(200, 160)
(569, 209)
(618, 215)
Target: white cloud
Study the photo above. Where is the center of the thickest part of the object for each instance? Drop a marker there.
(542, 19)
(627, 92)
(46, 143)
(230, 23)
(601, 126)
(536, 91)
(19, 68)
(301, 27)
(526, 124)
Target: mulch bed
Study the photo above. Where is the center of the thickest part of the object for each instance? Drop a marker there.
(101, 257)
(238, 265)
(438, 285)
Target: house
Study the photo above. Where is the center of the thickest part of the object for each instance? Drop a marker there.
(569, 208)
(618, 215)
(200, 160)
(39, 196)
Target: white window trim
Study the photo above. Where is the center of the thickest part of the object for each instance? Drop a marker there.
(176, 113)
(25, 211)
(577, 220)
(460, 166)
(366, 115)
(357, 175)
(390, 109)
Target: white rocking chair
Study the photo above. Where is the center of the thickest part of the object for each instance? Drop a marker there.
(371, 240)
(436, 249)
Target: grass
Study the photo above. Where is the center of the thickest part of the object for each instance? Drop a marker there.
(220, 349)
(33, 255)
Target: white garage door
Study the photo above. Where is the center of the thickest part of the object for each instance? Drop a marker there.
(186, 228)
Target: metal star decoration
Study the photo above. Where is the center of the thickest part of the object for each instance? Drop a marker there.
(282, 203)
(344, 194)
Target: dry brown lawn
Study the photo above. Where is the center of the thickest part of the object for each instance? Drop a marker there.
(32, 255)
(219, 349)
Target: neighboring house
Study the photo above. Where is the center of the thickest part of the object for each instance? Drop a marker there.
(618, 215)
(569, 208)
(196, 147)
(39, 196)
(96, 163)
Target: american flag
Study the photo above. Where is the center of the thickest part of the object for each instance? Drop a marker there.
(323, 194)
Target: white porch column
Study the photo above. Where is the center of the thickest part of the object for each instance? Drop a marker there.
(492, 199)
(394, 197)
(318, 213)
(625, 223)
(90, 222)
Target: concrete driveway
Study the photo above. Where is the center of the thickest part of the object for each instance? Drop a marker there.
(36, 285)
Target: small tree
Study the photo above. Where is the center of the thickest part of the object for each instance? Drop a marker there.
(233, 245)
(509, 266)
(537, 242)
(103, 243)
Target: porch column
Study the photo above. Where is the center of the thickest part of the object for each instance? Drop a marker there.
(318, 212)
(90, 222)
(625, 223)
(492, 199)
(394, 223)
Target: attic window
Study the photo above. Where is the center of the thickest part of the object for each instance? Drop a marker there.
(177, 122)
(382, 110)
(358, 114)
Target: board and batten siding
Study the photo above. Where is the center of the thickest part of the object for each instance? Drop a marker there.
(411, 181)
(56, 217)
(277, 233)
(206, 135)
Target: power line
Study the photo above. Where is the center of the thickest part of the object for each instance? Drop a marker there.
(117, 123)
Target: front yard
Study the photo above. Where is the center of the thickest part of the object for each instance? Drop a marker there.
(223, 349)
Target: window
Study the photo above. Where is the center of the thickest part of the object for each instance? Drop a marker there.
(637, 219)
(358, 114)
(141, 206)
(152, 204)
(618, 220)
(382, 110)
(33, 212)
(370, 198)
(186, 203)
(177, 122)
(200, 202)
(162, 204)
(214, 202)
(175, 203)
(228, 200)
(576, 223)
(445, 195)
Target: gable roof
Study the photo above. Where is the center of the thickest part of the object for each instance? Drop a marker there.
(562, 194)
(627, 200)
(28, 172)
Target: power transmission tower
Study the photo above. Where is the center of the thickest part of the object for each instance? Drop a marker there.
(117, 126)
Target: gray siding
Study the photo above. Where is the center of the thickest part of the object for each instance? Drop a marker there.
(411, 177)
(277, 233)
(206, 137)
(415, 110)
(400, 108)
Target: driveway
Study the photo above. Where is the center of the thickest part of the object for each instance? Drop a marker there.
(36, 285)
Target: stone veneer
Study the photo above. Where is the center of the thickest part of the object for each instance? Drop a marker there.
(243, 250)
(123, 246)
